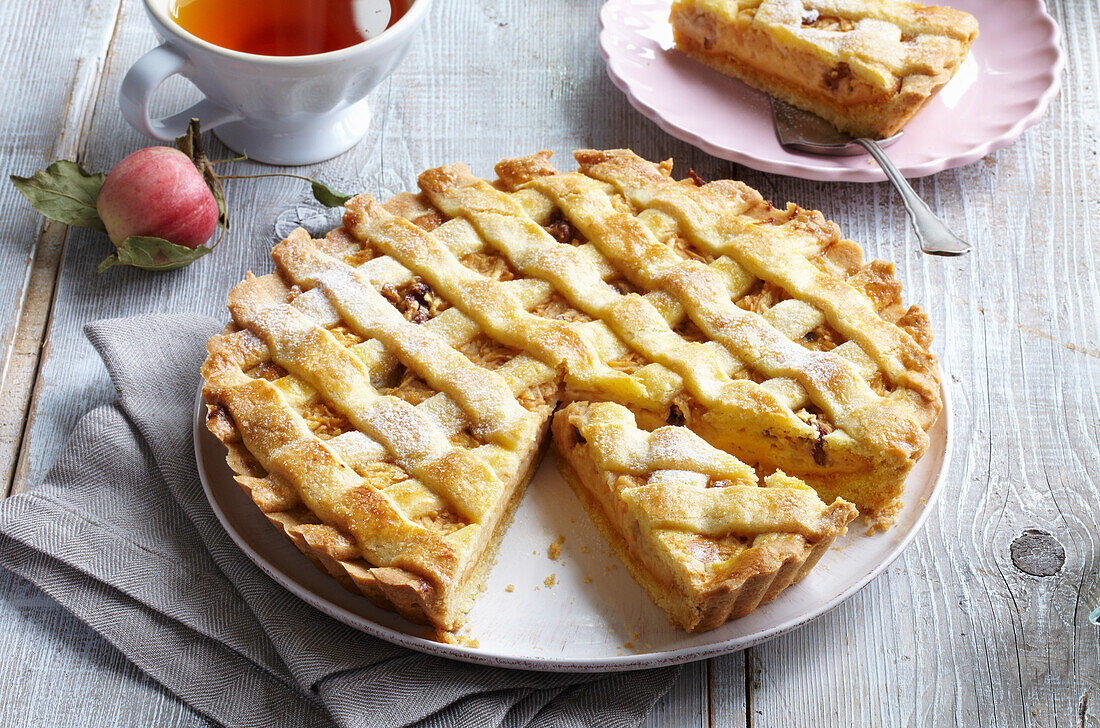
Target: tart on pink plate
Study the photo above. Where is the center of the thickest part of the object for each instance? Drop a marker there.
(998, 89)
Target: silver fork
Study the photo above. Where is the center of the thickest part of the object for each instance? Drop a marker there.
(804, 132)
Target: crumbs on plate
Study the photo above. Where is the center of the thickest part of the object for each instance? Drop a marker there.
(554, 550)
(460, 640)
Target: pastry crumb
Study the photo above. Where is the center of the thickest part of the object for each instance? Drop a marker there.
(584, 549)
(550, 580)
(629, 645)
(588, 580)
(451, 638)
(554, 550)
(510, 588)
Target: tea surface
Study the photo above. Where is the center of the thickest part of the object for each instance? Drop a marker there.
(280, 27)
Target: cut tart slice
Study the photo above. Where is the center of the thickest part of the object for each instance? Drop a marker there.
(372, 423)
(867, 66)
(696, 527)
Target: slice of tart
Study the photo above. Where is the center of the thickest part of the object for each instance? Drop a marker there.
(707, 539)
(867, 66)
(373, 424)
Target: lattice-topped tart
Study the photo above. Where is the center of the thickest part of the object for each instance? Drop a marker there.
(867, 66)
(385, 394)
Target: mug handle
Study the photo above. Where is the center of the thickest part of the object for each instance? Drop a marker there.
(150, 71)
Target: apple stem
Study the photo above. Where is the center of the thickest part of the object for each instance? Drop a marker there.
(223, 229)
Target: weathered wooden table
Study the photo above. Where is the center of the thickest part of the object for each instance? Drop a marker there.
(956, 632)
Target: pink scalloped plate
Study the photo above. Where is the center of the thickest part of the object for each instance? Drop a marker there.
(1005, 85)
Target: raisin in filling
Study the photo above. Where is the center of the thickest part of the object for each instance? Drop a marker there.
(416, 300)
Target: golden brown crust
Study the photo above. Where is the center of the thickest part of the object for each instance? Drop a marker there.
(867, 66)
(382, 396)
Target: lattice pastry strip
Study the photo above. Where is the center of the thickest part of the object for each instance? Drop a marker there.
(589, 257)
(629, 245)
(484, 397)
(529, 248)
(313, 354)
(451, 325)
(283, 445)
(881, 41)
(737, 280)
(628, 316)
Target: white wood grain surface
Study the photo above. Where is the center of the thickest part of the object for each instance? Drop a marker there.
(954, 633)
(62, 79)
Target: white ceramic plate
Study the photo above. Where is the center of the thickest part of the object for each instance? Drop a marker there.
(594, 617)
(1013, 71)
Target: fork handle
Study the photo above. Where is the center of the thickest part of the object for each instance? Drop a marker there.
(934, 236)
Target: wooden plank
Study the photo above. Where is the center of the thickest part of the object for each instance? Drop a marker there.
(685, 705)
(728, 680)
(71, 379)
(52, 127)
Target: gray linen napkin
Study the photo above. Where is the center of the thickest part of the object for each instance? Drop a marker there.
(121, 535)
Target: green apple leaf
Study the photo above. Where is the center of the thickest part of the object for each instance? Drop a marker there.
(152, 254)
(65, 192)
(328, 196)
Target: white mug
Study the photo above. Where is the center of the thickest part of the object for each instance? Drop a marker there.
(275, 109)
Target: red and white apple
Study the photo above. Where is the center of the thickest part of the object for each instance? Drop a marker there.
(158, 192)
